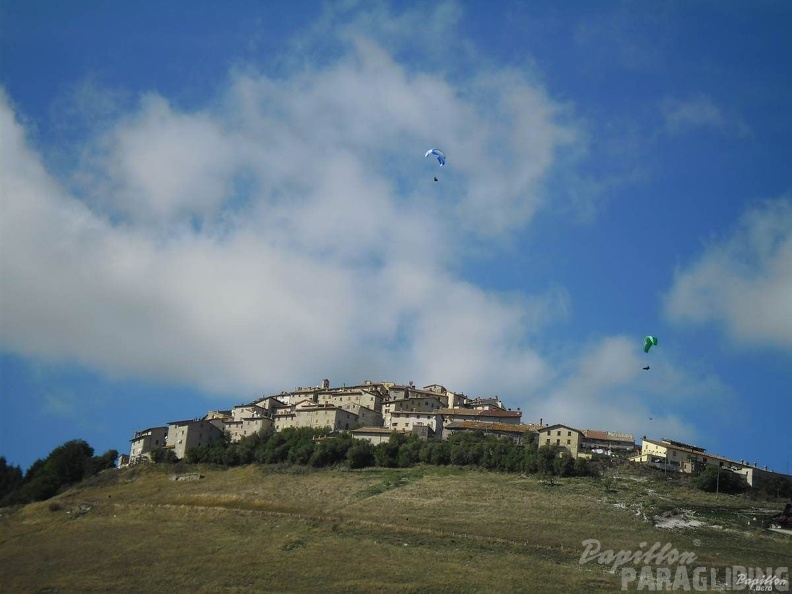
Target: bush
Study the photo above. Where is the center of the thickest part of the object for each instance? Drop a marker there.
(776, 487)
(164, 456)
(330, 451)
(387, 453)
(361, 454)
(714, 479)
(564, 465)
(409, 452)
(440, 453)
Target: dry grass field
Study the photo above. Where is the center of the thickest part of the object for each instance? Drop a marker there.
(425, 529)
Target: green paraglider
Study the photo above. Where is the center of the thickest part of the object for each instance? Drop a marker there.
(649, 342)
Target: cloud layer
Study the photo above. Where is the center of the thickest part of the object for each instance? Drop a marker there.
(289, 227)
(743, 282)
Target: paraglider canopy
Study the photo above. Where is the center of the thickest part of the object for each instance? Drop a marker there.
(438, 154)
(649, 342)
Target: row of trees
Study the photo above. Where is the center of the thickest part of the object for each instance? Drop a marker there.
(307, 447)
(65, 465)
(74, 461)
(721, 480)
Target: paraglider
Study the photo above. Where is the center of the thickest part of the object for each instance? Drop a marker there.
(649, 342)
(439, 155)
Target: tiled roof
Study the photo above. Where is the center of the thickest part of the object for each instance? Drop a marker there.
(397, 413)
(372, 430)
(557, 425)
(143, 431)
(675, 445)
(679, 444)
(486, 426)
(607, 435)
(536, 427)
(186, 422)
(467, 412)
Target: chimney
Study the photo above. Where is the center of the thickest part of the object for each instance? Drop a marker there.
(541, 424)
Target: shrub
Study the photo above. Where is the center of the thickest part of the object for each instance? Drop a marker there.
(409, 452)
(361, 454)
(440, 453)
(386, 454)
(714, 479)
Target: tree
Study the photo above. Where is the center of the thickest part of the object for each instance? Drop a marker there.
(67, 462)
(99, 463)
(331, 451)
(409, 452)
(545, 459)
(440, 453)
(65, 465)
(776, 487)
(387, 453)
(582, 468)
(564, 465)
(10, 477)
(163, 455)
(715, 479)
(361, 454)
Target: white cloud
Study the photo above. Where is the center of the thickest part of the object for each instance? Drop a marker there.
(604, 387)
(682, 115)
(697, 112)
(290, 229)
(744, 281)
(159, 165)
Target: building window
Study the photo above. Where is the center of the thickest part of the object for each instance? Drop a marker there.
(558, 433)
(569, 441)
(569, 434)
(558, 442)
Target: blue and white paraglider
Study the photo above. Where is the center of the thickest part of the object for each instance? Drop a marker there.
(437, 154)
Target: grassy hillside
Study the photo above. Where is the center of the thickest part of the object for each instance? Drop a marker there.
(425, 529)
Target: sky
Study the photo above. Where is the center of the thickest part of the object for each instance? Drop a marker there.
(204, 203)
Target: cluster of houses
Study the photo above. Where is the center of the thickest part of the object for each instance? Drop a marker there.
(374, 410)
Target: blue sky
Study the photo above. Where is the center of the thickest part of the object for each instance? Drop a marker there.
(205, 203)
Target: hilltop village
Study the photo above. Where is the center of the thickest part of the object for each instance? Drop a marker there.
(374, 410)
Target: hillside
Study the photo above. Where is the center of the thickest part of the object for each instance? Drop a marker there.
(424, 529)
